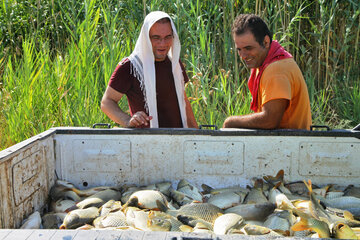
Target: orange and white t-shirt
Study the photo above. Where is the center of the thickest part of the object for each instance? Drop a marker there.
(283, 80)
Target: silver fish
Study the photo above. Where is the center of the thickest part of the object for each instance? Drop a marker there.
(257, 212)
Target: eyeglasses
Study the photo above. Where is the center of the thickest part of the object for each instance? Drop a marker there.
(158, 39)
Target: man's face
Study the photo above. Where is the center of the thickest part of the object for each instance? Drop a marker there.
(161, 37)
(250, 51)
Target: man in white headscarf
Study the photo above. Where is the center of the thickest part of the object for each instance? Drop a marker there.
(153, 79)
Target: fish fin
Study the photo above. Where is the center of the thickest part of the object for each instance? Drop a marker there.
(348, 215)
(301, 225)
(280, 175)
(278, 178)
(206, 188)
(258, 183)
(277, 185)
(308, 185)
(161, 206)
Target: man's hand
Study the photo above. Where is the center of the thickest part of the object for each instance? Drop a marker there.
(138, 119)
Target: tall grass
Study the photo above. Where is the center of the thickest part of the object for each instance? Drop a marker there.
(56, 57)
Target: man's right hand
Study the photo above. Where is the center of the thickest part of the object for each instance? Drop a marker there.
(138, 119)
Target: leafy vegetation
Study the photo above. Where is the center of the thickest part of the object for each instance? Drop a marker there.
(56, 57)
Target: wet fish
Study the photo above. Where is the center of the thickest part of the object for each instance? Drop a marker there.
(343, 231)
(146, 199)
(110, 206)
(32, 222)
(250, 229)
(79, 217)
(137, 217)
(353, 191)
(180, 197)
(189, 190)
(224, 223)
(193, 211)
(280, 221)
(256, 194)
(62, 205)
(209, 190)
(227, 199)
(99, 198)
(91, 191)
(276, 197)
(257, 212)
(160, 221)
(53, 220)
(61, 192)
(309, 223)
(112, 219)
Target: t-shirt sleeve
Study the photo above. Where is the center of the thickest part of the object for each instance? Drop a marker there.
(274, 85)
(120, 78)
(186, 78)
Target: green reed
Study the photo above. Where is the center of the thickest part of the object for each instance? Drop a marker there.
(56, 57)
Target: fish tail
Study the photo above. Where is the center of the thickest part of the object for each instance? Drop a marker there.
(161, 206)
(301, 225)
(280, 175)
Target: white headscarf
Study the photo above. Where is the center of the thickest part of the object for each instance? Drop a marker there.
(142, 63)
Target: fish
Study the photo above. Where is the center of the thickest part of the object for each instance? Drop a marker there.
(112, 219)
(334, 194)
(344, 203)
(256, 194)
(250, 229)
(164, 188)
(62, 205)
(180, 197)
(252, 211)
(32, 222)
(280, 221)
(99, 198)
(227, 199)
(276, 197)
(201, 227)
(343, 231)
(189, 190)
(209, 190)
(308, 223)
(194, 211)
(61, 192)
(79, 217)
(160, 221)
(353, 191)
(110, 206)
(137, 217)
(224, 223)
(146, 199)
(52, 220)
(298, 188)
(91, 191)
(279, 177)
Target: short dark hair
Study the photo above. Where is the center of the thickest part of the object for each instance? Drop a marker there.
(252, 23)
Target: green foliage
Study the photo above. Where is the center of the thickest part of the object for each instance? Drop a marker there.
(56, 57)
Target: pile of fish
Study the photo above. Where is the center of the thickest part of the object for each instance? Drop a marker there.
(269, 207)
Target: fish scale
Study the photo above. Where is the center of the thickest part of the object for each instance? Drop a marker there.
(205, 211)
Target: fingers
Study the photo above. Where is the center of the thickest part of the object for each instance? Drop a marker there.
(138, 119)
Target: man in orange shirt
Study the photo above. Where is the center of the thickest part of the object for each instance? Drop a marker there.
(280, 97)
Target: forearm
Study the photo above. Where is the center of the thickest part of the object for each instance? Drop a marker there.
(113, 111)
(191, 122)
(254, 120)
